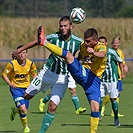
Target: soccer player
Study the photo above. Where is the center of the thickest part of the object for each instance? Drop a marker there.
(93, 57)
(109, 80)
(54, 74)
(17, 75)
(115, 45)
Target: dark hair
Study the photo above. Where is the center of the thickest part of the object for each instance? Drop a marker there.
(102, 37)
(65, 18)
(21, 46)
(91, 33)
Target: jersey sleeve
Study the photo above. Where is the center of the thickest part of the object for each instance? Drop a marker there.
(118, 58)
(8, 69)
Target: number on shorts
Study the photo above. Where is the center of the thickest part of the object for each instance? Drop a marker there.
(36, 82)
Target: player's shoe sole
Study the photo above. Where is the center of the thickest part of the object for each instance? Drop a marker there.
(13, 114)
(41, 36)
(80, 110)
(41, 105)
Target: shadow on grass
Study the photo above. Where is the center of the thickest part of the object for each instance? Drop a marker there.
(79, 124)
(37, 112)
(8, 131)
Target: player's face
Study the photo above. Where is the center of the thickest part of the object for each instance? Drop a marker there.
(22, 55)
(90, 42)
(65, 28)
(103, 41)
(116, 44)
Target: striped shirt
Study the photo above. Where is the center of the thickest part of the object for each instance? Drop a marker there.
(55, 63)
(111, 72)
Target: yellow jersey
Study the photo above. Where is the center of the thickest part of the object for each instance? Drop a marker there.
(18, 74)
(95, 64)
(121, 54)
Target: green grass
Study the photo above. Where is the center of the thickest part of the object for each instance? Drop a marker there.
(66, 121)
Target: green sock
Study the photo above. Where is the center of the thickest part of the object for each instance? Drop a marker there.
(46, 98)
(100, 108)
(75, 100)
(47, 120)
(115, 108)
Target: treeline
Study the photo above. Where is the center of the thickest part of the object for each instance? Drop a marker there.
(57, 8)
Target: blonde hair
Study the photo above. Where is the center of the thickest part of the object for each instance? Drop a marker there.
(115, 38)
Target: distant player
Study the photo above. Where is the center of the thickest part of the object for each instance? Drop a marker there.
(115, 45)
(17, 75)
(109, 80)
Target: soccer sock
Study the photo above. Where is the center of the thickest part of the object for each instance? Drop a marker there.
(24, 121)
(46, 98)
(118, 100)
(75, 100)
(106, 100)
(100, 108)
(115, 108)
(94, 121)
(55, 49)
(47, 120)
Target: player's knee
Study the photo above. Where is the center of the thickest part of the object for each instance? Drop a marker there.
(73, 91)
(23, 112)
(54, 101)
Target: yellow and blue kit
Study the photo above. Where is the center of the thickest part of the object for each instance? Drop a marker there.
(20, 76)
(89, 73)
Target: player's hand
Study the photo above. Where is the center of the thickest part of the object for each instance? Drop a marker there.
(15, 54)
(39, 34)
(90, 50)
(13, 86)
(123, 76)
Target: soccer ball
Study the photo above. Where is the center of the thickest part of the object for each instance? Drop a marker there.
(77, 15)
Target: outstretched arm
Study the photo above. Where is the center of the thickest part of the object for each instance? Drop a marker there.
(26, 46)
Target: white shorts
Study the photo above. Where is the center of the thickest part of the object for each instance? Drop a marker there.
(109, 88)
(47, 79)
(71, 82)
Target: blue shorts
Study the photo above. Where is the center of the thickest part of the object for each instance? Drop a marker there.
(87, 79)
(18, 97)
(120, 85)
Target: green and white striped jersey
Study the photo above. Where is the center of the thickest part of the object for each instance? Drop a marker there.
(111, 72)
(55, 63)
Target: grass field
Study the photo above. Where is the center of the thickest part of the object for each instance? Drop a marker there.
(66, 121)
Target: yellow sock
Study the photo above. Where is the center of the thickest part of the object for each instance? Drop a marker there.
(54, 49)
(24, 121)
(106, 100)
(93, 124)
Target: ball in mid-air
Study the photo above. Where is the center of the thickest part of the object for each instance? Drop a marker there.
(77, 15)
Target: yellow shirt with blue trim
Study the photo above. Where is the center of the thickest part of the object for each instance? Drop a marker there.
(121, 54)
(18, 74)
(95, 64)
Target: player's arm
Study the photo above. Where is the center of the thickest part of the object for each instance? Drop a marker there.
(122, 70)
(101, 53)
(6, 73)
(26, 46)
(125, 67)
